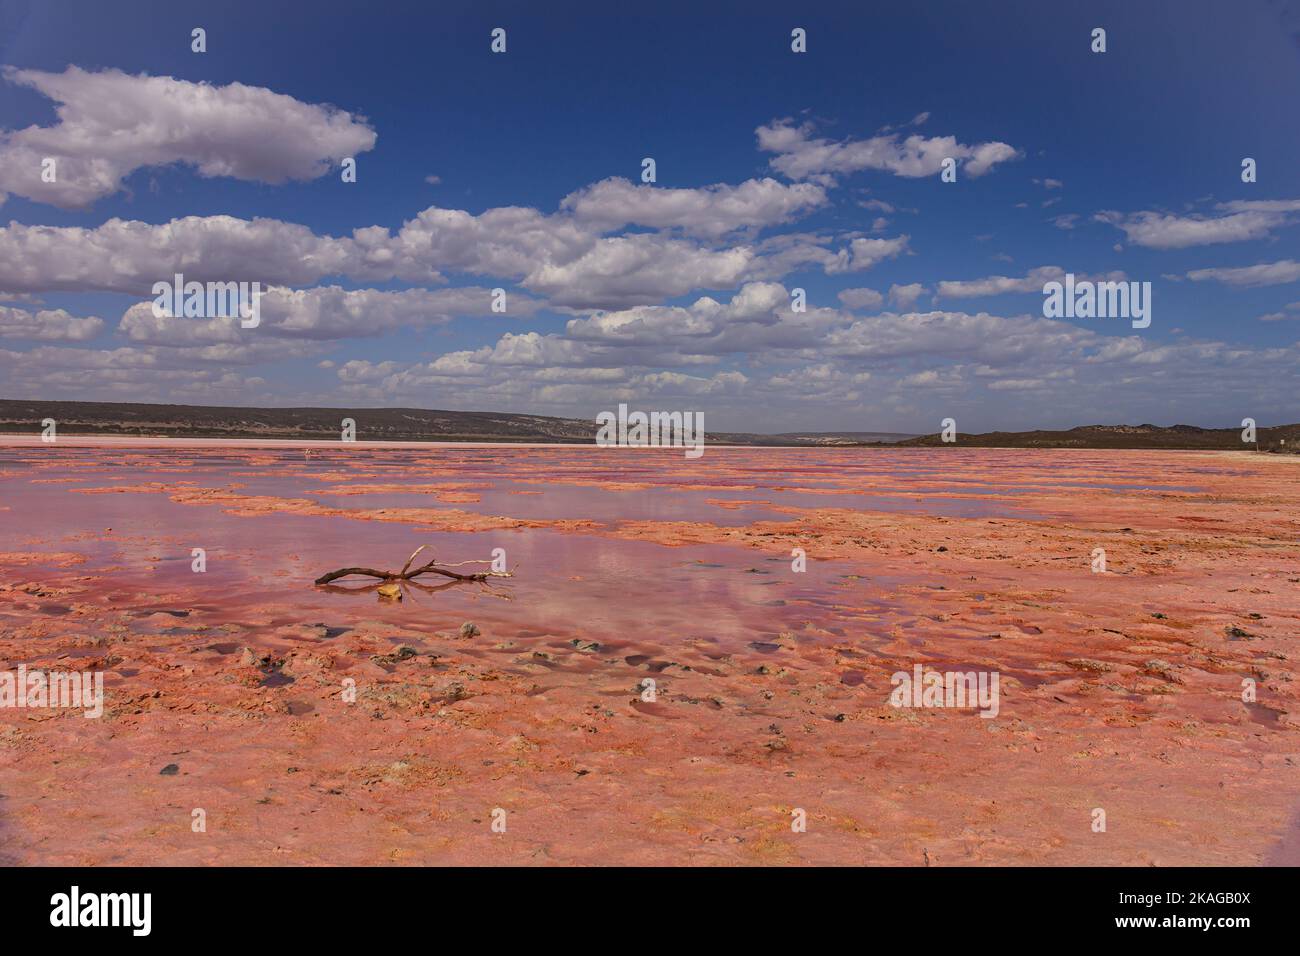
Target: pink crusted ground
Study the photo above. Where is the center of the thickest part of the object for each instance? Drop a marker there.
(1120, 691)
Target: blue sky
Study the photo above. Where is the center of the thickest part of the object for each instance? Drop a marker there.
(1123, 162)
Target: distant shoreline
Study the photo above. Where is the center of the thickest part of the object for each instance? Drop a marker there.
(21, 440)
(199, 425)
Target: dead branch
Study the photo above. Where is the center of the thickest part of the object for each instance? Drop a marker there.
(411, 558)
(407, 573)
(358, 588)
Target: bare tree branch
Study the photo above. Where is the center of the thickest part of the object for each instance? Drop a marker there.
(406, 574)
(411, 558)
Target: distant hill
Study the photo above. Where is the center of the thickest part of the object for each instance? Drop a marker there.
(1281, 438)
(418, 424)
(324, 424)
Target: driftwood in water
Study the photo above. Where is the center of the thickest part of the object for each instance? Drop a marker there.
(407, 572)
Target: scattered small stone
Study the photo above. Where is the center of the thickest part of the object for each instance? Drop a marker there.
(469, 629)
(585, 645)
(170, 770)
(250, 658)
(402, 652)
(941, 548)
(1087, 664)
(1161, 669)
(1237, 634)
